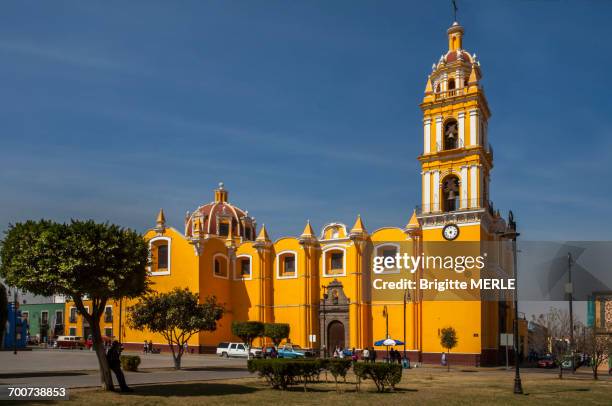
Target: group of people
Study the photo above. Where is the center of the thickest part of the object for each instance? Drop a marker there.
(395, 356)
(368, 354)
(148, 347)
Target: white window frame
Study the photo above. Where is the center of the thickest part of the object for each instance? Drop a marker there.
(76, 315)
(112, 314)
(169, 241)
(382, 246)
(324, 258)
(278, 256)
(41, 316)
(237, 275)
(227, 267)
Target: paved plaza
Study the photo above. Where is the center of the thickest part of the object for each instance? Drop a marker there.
(76, 368)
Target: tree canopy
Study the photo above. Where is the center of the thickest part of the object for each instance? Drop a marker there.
(277, 332)
(448, 340)
(82, 260)
(176, 315)
(247, 331)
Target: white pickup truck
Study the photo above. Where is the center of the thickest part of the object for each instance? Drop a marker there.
(226, 349)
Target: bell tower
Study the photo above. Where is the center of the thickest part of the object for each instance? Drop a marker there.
(457, 157)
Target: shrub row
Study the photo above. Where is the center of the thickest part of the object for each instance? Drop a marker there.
(129, 362)
(280, 373)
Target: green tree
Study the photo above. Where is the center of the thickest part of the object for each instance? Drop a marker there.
(448, 340)
(3, 311)
(176, 315)
(82, 260)
(276, 332)
(247, 331)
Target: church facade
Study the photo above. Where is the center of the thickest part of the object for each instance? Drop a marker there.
(320, 283)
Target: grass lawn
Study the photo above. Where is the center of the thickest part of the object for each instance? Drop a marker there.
(418, 386)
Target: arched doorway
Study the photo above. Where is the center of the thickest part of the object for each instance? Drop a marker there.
(335, 335)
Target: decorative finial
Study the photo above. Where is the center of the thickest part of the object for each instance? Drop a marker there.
(455, 13)
(221, 185)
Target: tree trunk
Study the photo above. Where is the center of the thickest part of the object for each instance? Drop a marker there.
(105, 372)
(177, 355)
(595, 372)
(94, 322)
(561, 370)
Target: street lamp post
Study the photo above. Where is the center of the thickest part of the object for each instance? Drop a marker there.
(570, 291)
(324, 329)
(406, 299)
(386, 316)
(512, 235)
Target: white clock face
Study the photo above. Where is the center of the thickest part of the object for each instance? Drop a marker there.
(450, 232)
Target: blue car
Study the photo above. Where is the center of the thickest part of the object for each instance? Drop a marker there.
(291, 351)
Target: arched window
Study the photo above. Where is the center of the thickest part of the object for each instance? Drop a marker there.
(451, 84)
(220, 266)
(387, 251)
(450, 193)
(159, 248)
(243, 267)
(286, 265)
(451, 133)
(334, 262)
(438, 88)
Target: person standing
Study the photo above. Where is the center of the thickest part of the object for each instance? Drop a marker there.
(114, 362)
(145, 348)
(372, 354)
(366, 354)
(443, 359)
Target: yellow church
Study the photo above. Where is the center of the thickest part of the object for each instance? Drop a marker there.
(320, 282)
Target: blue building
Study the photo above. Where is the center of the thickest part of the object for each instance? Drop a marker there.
(15, 324)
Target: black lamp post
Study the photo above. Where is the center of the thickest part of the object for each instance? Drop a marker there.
(406, 300)
(511, 234)
(570, 294)
(324, 329)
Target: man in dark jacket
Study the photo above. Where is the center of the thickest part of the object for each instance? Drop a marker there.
(114, 363)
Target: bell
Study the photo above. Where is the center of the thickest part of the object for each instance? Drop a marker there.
(451, 195)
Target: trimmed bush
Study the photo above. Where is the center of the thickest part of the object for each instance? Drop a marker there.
(129, 362)
(338, 368)
(384, 375)
(280, 372)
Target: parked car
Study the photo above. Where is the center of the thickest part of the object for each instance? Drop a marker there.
(546, 361)
(237, 350)
(222, 348)
(291, 351)
(70, 342)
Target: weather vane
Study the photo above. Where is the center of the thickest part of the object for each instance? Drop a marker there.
(454, 9)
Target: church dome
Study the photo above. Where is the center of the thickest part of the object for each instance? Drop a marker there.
(220, 218)
(452, 56)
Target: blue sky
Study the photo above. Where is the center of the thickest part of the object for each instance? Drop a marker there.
(305, 109)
